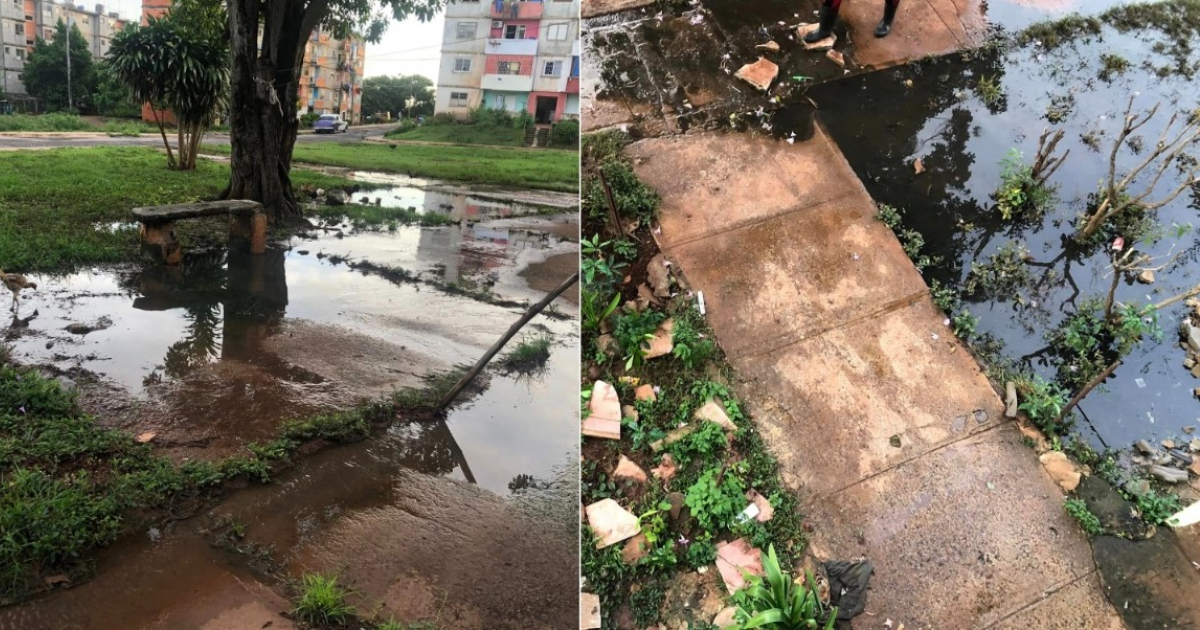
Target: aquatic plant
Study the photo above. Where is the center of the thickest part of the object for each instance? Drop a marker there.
(322, 601)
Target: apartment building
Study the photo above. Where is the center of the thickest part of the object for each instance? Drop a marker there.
(515, 55)
(23, 21)
(332, 79)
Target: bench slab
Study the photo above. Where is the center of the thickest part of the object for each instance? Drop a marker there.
(175, 212)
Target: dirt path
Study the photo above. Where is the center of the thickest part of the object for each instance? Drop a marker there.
(842, 353)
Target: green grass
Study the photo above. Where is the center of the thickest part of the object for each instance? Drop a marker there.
(322, 601)
(528, 355)
(44, 122)
(463, 134)
(372, 218)
(546, 169)
(64, 208)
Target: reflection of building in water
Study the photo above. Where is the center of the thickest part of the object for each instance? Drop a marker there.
(440, 247)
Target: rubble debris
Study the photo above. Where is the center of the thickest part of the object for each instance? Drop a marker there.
(1040, 443)
(770, 46)
(760, 74)
(645, 392)
(736, 558)
(662, 344)
(611, 522)
(725, 618)
(629, 411)
(1061, 470)
(1144, 447)
(714, 411)
(635, 549)
(605, 419)
(918, 166)
(143, 438)
(659, 276)
(836, 57)
(626, 469)
(1010, 400)
(589, 612)
(1146, 277)
(665, 470)
(1169, 475)
(673, 437)
(765, 511)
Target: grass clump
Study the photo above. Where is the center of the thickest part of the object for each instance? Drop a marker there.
(460, 134)
(1021, 195)
(547, 169)
(775, 600)
(322, 601)
(529, 355)
(1090, 523)
(366, 218)
(1003, 275)
(1051, 34)
(44, 122)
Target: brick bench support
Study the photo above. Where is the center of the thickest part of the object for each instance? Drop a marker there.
(247, 226)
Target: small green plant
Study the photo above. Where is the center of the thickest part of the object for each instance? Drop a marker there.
(775, 601)
(529, 355)
(1044, 402)
(716, 499)
(322, 601)
(945, 297)
(1156, 507)
(1090, 523)
(889, 216)
(632, 198)
(594, 309)
(690, 348)
(988, 90)
(596, 267)
(964, 324)
(1112, 66)
(1020, 194)
(633, 330)
(1003, 275)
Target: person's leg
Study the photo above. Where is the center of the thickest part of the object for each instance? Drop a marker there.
(889, 13)
(828, 15)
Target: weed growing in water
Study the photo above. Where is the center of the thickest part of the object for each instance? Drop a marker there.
(988, 90)
(1020, 194)
(322, 601)
(1090, 523)
(528, 355)
(1004, 274)
(1156, 507)
(1043, 401)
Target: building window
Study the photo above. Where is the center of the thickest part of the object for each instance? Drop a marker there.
(48, 35)
(514, 31)
(465, 30)
(21, 53)
(552, 69)
(458, 99)
(462, 64)
(19, 28)
(502, 101)
(509, 67)
(557, 32)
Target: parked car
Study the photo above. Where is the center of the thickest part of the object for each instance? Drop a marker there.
(330, 123)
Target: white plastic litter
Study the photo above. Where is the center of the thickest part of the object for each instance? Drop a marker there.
(1188, 516)
(1140, 382)
(700, 301)
(751, 512)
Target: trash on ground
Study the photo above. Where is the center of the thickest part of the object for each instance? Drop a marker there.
(673, 437)
(714, 411)
(824, 44)
(1186, 517)
(836, 57)
(589, 612)
(771, 46)
(765, 511)
(760, 74)
(848, 583)
(611, 522)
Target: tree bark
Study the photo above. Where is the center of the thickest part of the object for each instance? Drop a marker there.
(264, 89)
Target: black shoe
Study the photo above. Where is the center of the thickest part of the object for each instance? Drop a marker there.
(885, 25)
(827, 17)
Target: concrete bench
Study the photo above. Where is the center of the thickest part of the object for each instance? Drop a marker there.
(247, 226)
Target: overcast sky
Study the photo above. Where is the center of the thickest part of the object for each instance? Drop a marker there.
(408, 47)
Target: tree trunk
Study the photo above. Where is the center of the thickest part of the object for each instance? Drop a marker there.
(264, 89)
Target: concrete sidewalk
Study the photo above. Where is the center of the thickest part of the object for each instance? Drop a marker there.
(843, 353)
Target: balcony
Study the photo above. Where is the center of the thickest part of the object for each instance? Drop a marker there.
(507, 82)
(513, 10)
(512, 47)
(572, 85)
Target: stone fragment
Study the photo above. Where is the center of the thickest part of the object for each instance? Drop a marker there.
(589, 612)
(673, 436)
(659, 276)
(1169, 475)
(1146, 277)
(626, 469)
(771, 46)
(734, 559)
(1010, 400)
(645, 392)
(605, 418)
(665, 471)
(836, 57)
(760, 74)
(662, 343)
(635, 549)
(611, 522)
(714, 411)
(918, 166)
(1061, 470)
(725, 618)
(765, 510)
(1144, 447)
(629, 411)
(143, 438)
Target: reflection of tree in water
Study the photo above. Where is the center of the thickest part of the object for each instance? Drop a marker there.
(201, 343)
(523, 483)
(427, 447)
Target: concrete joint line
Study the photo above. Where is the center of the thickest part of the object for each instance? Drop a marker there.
(886, 309)
(754, 222)
(1047, 594)
(931, 451)
(947, 24)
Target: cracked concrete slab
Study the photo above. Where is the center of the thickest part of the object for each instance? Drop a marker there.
(1079, 605)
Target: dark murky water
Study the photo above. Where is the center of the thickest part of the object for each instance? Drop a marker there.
(962, 140)
(217, 353)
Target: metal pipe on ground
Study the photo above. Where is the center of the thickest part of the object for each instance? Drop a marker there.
(512, 331)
